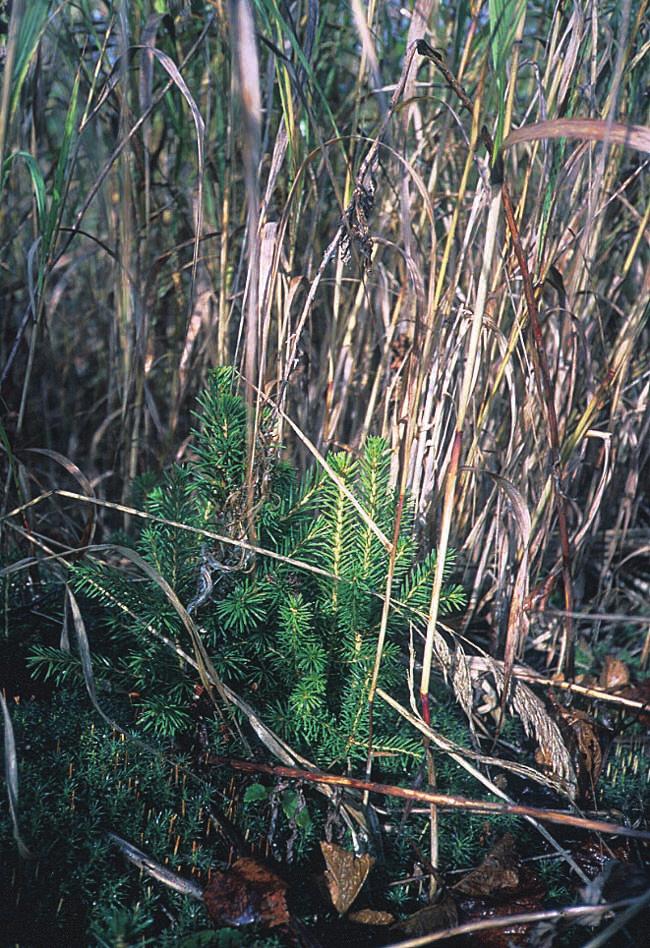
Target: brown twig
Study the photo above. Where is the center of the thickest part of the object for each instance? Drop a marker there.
(508, 921)
(425, 796)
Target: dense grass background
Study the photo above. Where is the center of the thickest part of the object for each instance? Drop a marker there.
(129, 265)
(180, 184)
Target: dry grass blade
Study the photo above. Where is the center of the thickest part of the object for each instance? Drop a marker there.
(203, 665)
(207, 673)
(155, 870)
(591, 130)
(543, 382)
(518, 622)
(84, 483)
(202, 662)
(596, 693)
(100, 178)
(460, 755)
(369, 50)
(331, 473)
(86, 661)
(175, 75)
(144, 515)
(469, 381)
(562, 781)
(11, 776)
(537, 723)
(319, 205)
(368, 164)
(246, 68)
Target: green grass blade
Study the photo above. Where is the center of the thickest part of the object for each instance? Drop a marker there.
(38, 182)
(31, 30)
(504, 17)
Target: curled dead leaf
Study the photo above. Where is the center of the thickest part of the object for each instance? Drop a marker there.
(246, 894)
(498, 872)
(444, 914)
(344, 875)
(500, 886)
(583, 736)
(368, 916)
(590, 752)
(615, 674)
(506, 935)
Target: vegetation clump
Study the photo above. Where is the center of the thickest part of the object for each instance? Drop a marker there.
(293, 630)
(231, 659)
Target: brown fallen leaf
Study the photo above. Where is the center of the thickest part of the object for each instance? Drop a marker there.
(500, 886)
(583, 737)
(591, 854)
(344, 875)
(368, 916)
(444, 914)
(615, 674)
(499, 871)
(589, 752)
(246, 894)
(506, 936)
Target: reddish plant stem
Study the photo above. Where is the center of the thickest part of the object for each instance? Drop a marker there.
(426, 796)
(426, 710)
(566, 663)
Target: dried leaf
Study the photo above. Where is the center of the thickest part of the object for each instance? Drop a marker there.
(590, 130)
(537, 723)
(507, 935)
(521, 702)
(462, 683)
(345, 874)
(589, 749)
(498, 872)
(462, 755)
(247, 894)
(591, 854)
(371, 917)
(500, 887)
(444, 914)
(584, 740)
(615, 674)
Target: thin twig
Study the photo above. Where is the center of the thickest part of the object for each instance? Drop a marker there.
(507, 921)
(424, 796)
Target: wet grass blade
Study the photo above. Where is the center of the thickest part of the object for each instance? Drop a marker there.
(11, 776)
